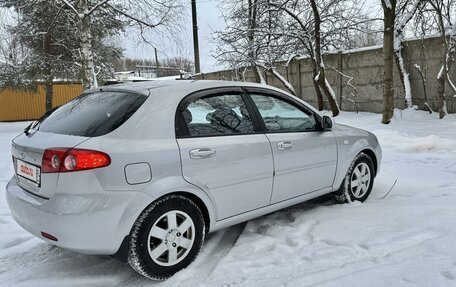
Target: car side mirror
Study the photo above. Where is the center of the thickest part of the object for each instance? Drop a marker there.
(326, 123)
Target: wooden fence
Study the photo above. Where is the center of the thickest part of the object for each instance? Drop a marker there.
(18, 105)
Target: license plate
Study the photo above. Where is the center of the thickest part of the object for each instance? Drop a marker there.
(29, 172)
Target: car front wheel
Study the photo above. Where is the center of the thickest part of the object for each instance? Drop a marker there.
(358, 181)
(167, 237)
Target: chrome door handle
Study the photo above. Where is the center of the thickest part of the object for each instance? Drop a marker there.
(285, 145)
(202, 153)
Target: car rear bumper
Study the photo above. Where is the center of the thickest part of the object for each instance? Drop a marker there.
(94, 223)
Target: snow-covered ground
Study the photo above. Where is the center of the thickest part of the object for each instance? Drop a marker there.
(406, 239)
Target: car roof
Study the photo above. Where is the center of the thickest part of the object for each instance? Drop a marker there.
(180, 88)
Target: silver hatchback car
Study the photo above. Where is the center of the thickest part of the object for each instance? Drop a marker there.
(142, 171)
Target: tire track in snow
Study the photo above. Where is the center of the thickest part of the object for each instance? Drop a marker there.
(10, 244)
(370, 255)
(54, 264)
(217, 245)
(47, 265)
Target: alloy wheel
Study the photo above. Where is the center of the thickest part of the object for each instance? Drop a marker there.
(360, 180)
(171, 238)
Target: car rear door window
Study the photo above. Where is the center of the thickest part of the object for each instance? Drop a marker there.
(93, 114)
(281, 116)
(223, 114)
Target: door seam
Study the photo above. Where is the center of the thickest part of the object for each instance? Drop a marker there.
(273, 169)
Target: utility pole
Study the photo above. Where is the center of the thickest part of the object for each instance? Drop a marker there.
(195, 38)
(156, 63)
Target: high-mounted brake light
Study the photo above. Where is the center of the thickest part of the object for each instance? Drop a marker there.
(73, 159)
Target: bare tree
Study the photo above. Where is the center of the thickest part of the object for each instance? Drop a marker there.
(252, 39)
(438, 17)
(320, 78)
(367, 34)
(405, 12)
(327, 26)
(444, 13)
(150, 14)
(239, 45)
(389, 15)
(252, 23)
(421, 71)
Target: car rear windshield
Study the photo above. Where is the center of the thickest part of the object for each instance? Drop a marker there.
(92, 115)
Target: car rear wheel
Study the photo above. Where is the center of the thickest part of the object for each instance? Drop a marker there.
(166, 237)
(358, 181)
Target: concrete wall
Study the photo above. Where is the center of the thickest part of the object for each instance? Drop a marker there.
(366, 68)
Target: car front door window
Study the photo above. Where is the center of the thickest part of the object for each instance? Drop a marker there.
(281, 116)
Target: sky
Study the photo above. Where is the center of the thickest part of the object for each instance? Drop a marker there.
(181, 43)
(209, 20)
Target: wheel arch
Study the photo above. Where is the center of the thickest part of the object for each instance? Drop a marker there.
(373, 157)
(346, 156)
(176, 185)
(122, 252)
(200, 198)
(201, 205)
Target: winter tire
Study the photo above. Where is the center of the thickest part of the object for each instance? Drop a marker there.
(167, 237)
(358, 181)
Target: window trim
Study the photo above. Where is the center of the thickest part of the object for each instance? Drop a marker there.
(274, 94)
(181, 128)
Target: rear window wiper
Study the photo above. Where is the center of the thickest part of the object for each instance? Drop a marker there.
(35, 123)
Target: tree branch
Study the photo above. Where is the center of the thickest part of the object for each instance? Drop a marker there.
(139, 21)
(101, 3)
(71, 7)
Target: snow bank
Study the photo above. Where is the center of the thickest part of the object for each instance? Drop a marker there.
(398, 142)
(411, 131)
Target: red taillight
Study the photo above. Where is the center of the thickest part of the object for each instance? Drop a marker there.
(73, 159)
(52, 159)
